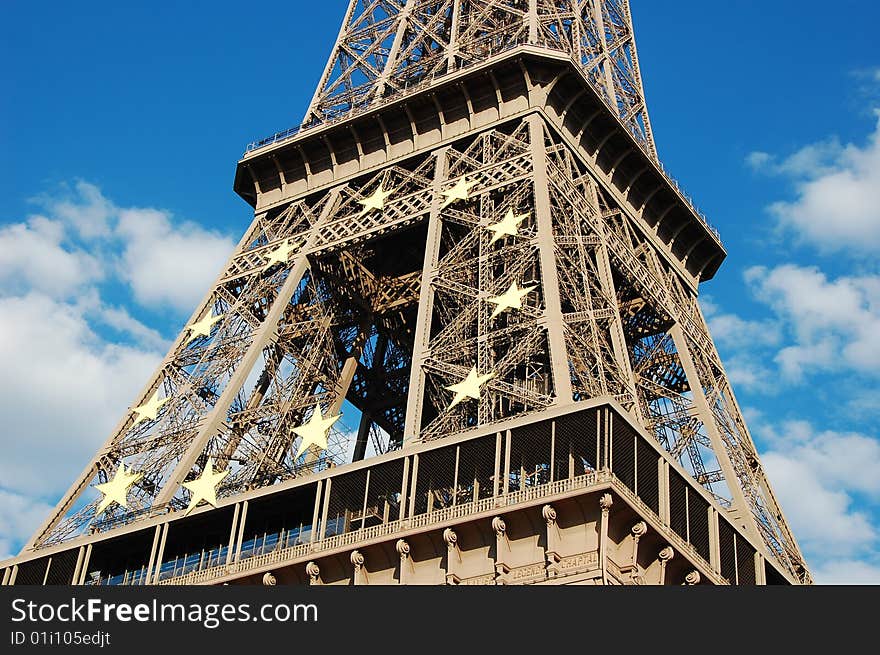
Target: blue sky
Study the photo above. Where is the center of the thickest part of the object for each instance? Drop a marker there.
(121, 123)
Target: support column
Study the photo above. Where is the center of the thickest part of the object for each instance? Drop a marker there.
(404, 489)
(496, 478)
(618, 340)
(81, 551)
(154, 549)
(46, 574)
(314, 573)
(213, 421)
(452, 48)
(316, 512)
(453, 556)
(533, 22)
(664, 490)
(421, 339)
(502, 550)
(554, 540)
(605, 503)
(760, 572)
(325, 509)
(746, 519)
(607, 63)
(413, 486)
(638, 531)
(160, 553)
(85, 566)
(406, 565)
(241, 524)
(391, 60)
(505, 473)
(359, 575)
(231, 544)
(664, 556)
(714, 541)
(553, 320)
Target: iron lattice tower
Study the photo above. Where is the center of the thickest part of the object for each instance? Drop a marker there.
(473, 197)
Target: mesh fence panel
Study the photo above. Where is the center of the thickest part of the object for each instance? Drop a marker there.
(745, 560)
(32, 573)
(623, 455)
(476, 469)
(698, 521)
(61, 569)
(435, 479)
(579, 431)
(530, 455)
(728, 550)
(383, 495)
(346, 501)
(678, 504)
(648, 479)
(113, 557)
(280, 512)
(772, 576)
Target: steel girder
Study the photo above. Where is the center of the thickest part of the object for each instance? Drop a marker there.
(607, 318)
(388, 48)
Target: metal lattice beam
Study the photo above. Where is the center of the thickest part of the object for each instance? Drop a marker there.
(389, 48)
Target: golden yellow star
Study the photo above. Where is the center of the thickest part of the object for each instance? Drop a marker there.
(458, 192)
(510, 299)
(469, 387)
(202, 328)
(375, 201)
(204, 487)
(150, 409)
(116, 490)
(509, 226)
(281, 254)
(314, 433)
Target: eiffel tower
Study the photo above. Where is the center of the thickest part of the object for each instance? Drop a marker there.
(460, 342)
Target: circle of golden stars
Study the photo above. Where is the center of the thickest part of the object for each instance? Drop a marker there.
(314, 433)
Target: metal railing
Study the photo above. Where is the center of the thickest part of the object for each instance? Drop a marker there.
(355, 537)
(272, 549)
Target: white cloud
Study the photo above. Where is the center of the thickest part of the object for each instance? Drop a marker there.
(863, 403)
(166, 263)
(32, 257)
(169, 264)
(742, 338)
(64, 390)
(731, 330)
(825, 482)
(749, 373)
(759, 160)
(837, 206)
(833, 325)
(847, 572)
(73, 358)
(20, 516)
(85, 209)
(120, 320)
